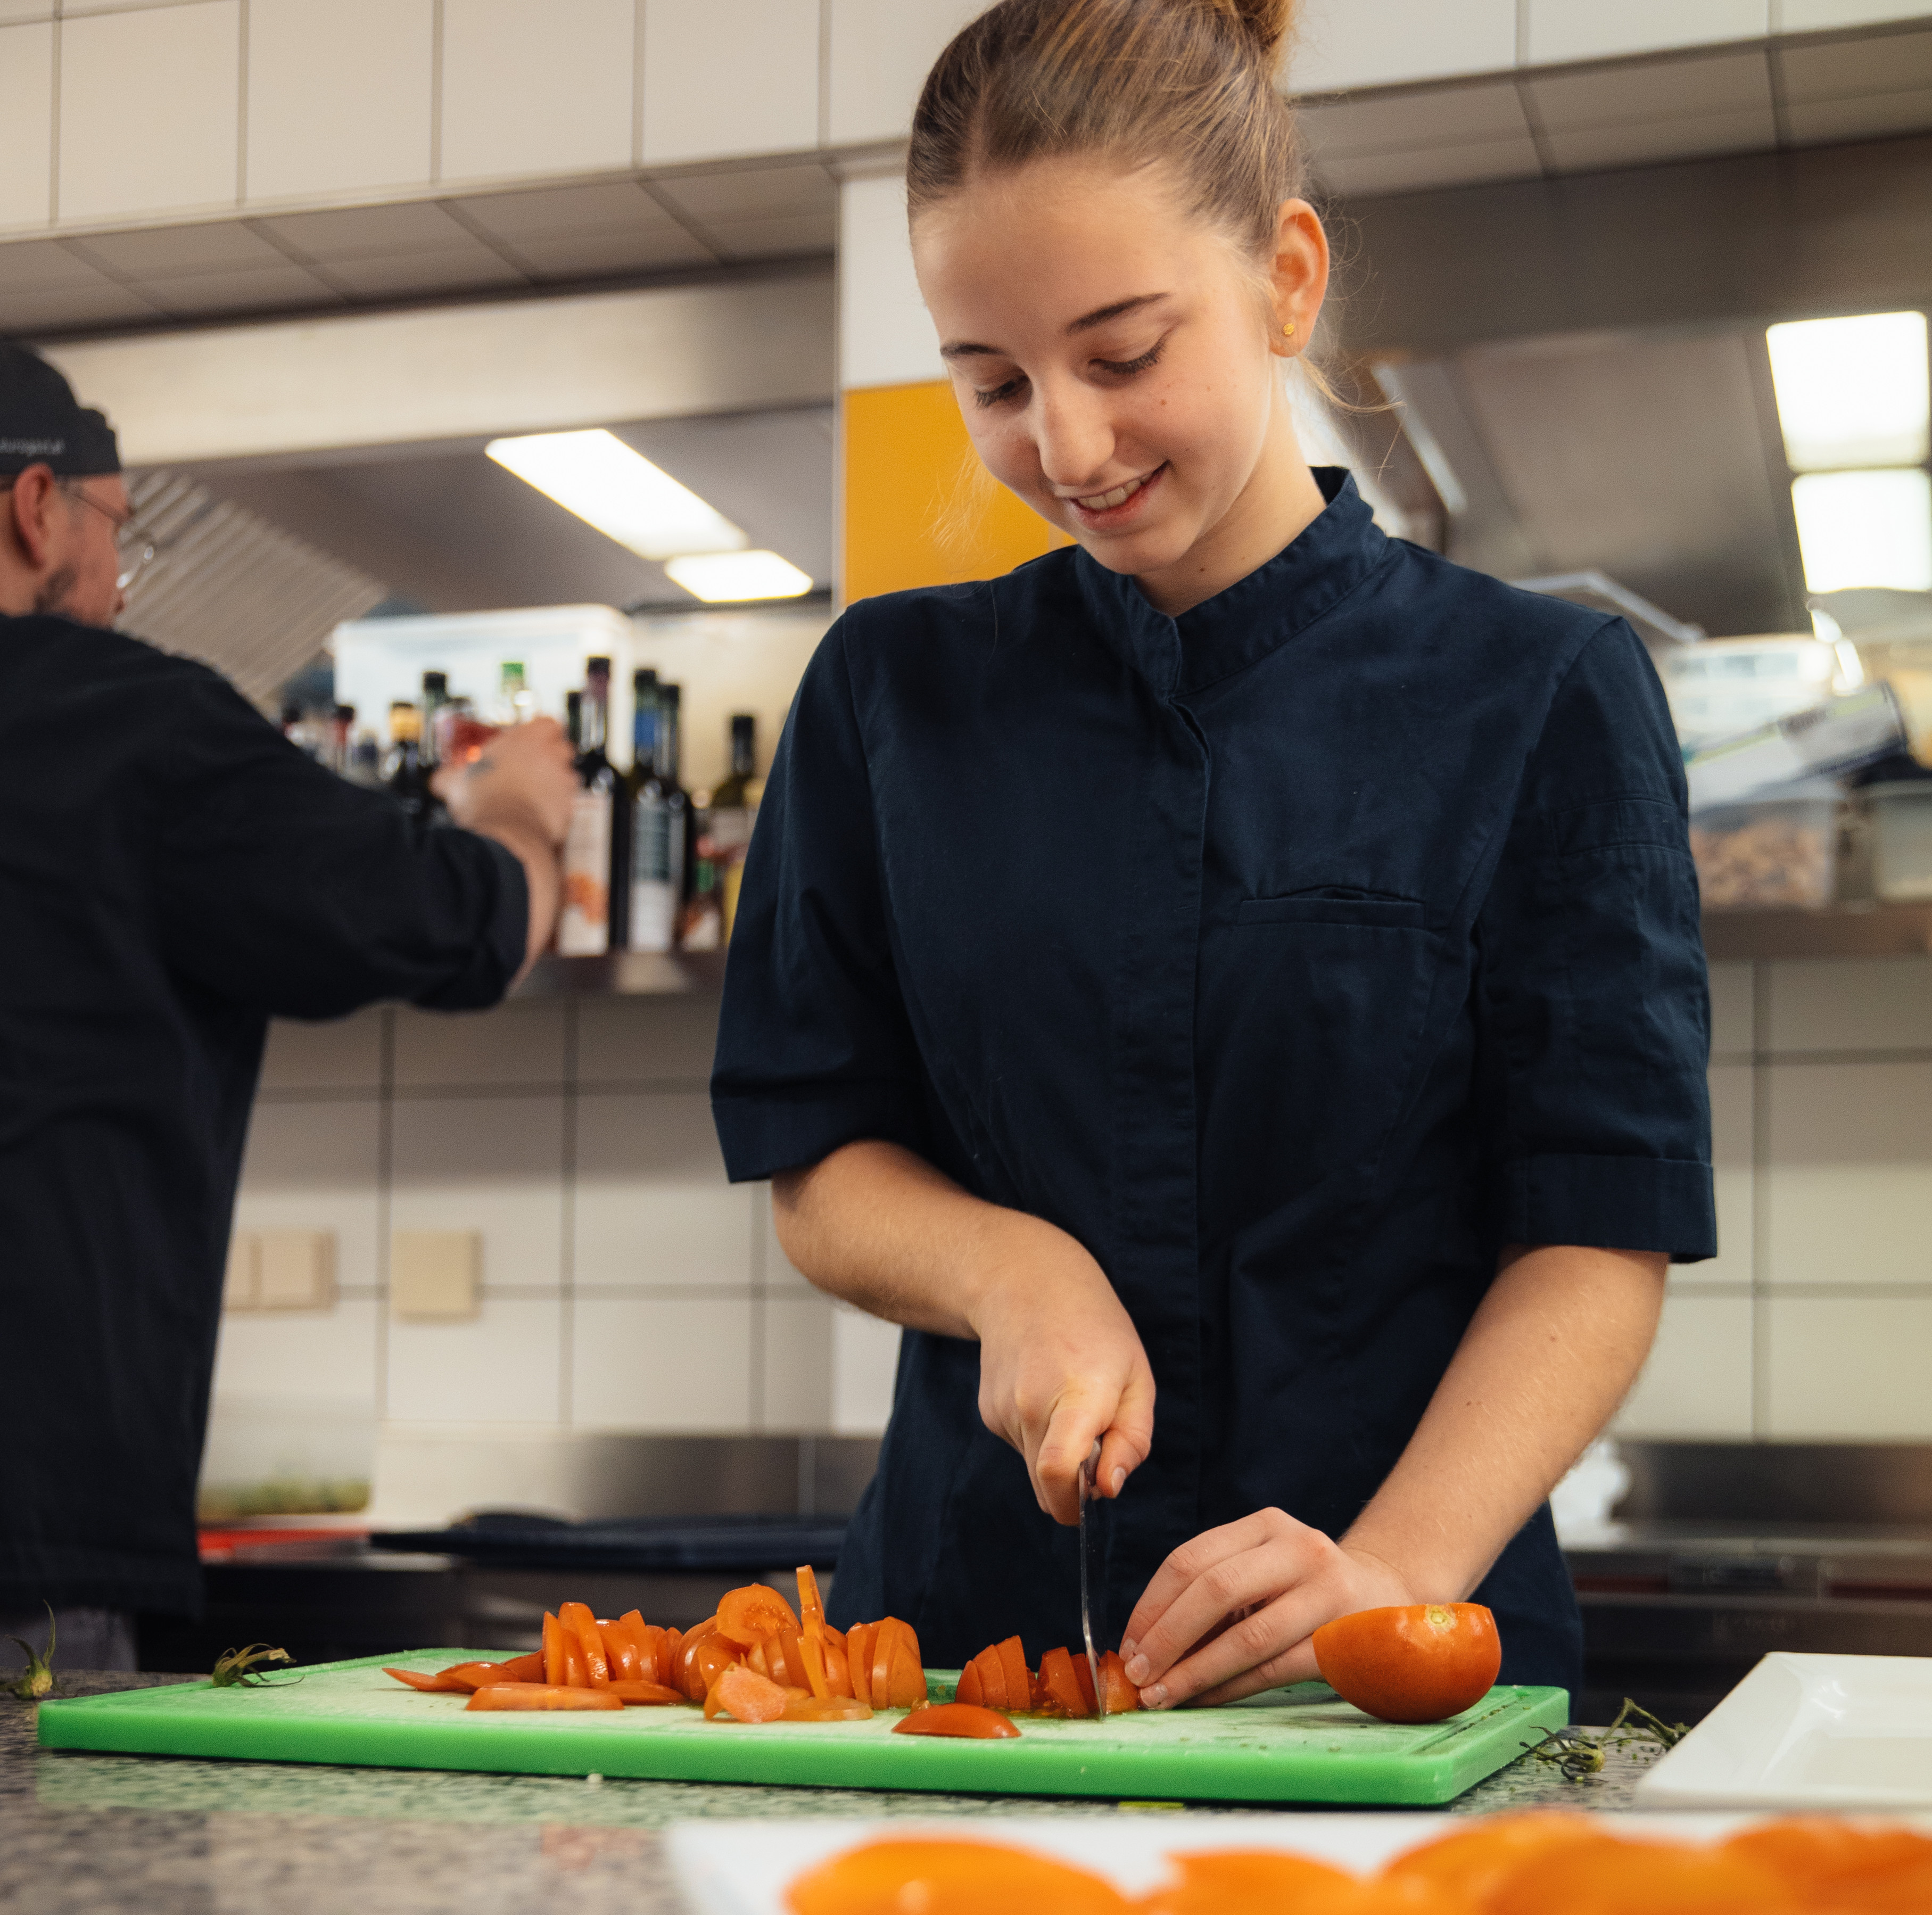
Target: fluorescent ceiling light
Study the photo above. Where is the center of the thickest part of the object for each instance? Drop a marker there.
(600, 479)
(1865, 528)
(718, 577)
(1853, 391)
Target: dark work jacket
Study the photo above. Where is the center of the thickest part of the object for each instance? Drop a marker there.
(172, 872)
(1294, 956)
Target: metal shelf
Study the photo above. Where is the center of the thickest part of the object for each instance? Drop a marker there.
(625, 975)
(1843, 931)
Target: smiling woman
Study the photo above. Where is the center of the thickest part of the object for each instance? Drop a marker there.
(1231, 988)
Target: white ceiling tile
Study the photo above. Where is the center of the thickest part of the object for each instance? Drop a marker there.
(1446, 115)
(365, 231)
(593, 255)
(1427, 167)
(1653, 90)
(408, 275)
(1341, 44)
(613, 205)
(774, 238)
(1884, 63)
(1560, 30)
(226, 246)
(40, 266)
(1870, 116)
(11, 10)
(261, 290)
(1648, 143)
(56, 308)
(26, 125)
(759, 193)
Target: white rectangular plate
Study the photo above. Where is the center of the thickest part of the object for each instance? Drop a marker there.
(1808, 1732)
(742, 1868)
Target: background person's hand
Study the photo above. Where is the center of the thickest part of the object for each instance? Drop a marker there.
(1060, 1364)
(524, 777)
(1232, 1612)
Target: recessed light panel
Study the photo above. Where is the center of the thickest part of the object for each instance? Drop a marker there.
(721, 577)
(1853, 391)
(1865, 528)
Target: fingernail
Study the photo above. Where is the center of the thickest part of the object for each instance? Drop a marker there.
(1138, 1670)
(1155, 1697)
(1129, 1648)
(1120, 1477)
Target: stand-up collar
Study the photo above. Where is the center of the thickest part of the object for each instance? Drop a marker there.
(1223, 634)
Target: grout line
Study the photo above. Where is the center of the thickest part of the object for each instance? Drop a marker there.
(242, 105)
(1760, 1206)
(1522, 32)
(1780, 117)
(436, 94)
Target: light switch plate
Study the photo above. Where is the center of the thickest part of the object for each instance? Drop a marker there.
(242, 1287)
(435, 1276)
(295, 1269)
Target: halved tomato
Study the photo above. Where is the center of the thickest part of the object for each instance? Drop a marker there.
(1417, 1664)
(755, 1611)
(957, 1718)
(859, 1658)
(1058, 1690)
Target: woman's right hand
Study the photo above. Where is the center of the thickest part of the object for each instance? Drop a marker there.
(1060, 1364)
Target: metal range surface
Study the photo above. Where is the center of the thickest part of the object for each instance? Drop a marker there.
(1300, 1744)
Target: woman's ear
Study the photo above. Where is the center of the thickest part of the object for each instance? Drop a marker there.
(1298, 276)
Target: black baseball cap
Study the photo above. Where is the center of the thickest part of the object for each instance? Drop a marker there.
(41, 422)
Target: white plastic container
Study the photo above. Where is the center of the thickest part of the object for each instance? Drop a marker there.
(1901, 816)
(1778, 850)
(1725, 686)
(286, 1456)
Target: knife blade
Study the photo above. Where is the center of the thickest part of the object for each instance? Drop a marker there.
(1090, 1537)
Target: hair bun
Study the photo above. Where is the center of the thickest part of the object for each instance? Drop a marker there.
(1265, 23)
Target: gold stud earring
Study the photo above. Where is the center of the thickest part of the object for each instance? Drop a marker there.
(1288, 331)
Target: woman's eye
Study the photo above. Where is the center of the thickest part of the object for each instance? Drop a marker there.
(996, 395)
(1121, 368)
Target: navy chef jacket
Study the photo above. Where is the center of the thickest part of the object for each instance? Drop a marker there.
(172, 872)
(1294, 955)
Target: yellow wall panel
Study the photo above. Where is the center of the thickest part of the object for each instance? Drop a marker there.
(919, 508)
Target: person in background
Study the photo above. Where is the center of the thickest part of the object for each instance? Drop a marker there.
(173, 873)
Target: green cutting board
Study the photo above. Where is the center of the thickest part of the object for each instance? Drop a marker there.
(1299, 1745)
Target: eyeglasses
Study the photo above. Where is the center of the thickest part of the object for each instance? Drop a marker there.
(135, 549)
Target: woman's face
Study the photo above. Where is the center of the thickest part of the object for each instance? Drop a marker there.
(1114, 361)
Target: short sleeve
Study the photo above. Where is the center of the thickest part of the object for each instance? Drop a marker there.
(1593, 1008)
(814, 1048)
(285, 888)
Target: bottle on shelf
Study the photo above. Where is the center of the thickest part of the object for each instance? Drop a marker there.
(403, 773)
(517, 703)
(660, 837)
(725, 832)
(341, 733)
(583, 925)
(435, 696)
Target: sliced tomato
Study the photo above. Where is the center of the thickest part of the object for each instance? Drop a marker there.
(553, 1651)
(993, 1680)
(969, 1689)
(837, 1667)
(791, 1646)
(1059, 1688)
(684, 1674)
(957, 1718)
(438, 1684)
(1019, 1677)
(540, 1695)
(710, 1660)
(669, 1649)
(879, 1654)
(647, 1695)
(908, 1689)
(745, 1694)
(624, 1649)
(1083, 1674)
(858, 1661)
(810, 1608)
(755, 1611)
(1121, 1694)
(522, 1668)
(580, 1631)
(827, 1709)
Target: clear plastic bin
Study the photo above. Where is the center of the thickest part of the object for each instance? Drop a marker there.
(1901, 816)
(1781, 849)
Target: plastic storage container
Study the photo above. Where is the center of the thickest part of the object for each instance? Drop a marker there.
(1901, 816)
(1778, 849)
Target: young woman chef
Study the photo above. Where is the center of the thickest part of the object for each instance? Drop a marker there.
(1232, 988)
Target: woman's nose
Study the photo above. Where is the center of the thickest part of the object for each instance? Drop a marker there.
(1075, 438)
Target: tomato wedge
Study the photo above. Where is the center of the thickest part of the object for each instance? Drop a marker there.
(553, 1651)
(908, 1680)
(441, 1683)
(811, 1609)
(858, 1659)
(581, 1633)
(1058, 1689)
(540, 1695)
(755, 1611)
(837, 1669)
(644, 1695)
(969, 1689)
(1018, 1676)
(1122, 1696)
(746, 1695)
(1083, 1674)
(626, 1649)
(957, 1718)
(522, 1669)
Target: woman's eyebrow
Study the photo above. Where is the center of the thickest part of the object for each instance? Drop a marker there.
(967, 349)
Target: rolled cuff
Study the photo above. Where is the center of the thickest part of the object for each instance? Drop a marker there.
(768, 1132)
(1620, 1203)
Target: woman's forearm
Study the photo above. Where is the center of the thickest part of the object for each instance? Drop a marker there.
(1552, 1351)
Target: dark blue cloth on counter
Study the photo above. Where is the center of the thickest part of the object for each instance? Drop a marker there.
(1294, 956)
(173, 873)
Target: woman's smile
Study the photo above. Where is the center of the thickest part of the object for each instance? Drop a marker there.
(1105, 512)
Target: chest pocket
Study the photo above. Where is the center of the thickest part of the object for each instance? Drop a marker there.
(1322, 1008)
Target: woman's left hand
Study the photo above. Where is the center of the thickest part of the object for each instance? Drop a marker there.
(1232, 1612)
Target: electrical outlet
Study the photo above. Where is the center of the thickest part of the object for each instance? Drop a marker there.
(296, 1269)
(435, 1276)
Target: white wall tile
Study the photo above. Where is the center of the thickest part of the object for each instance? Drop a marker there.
(520, 1041)
(1852, 1004)
(1850, 1368)
(796, 1385)
(1850, 1195)
(1731, 1162)
(1345, 44)
(149, 110)
(1820, 16)
(780, 1273)
(864, 1361)
(1697, 1382)
(1731, 1016)
(531, 90)
(661, 1364)
(26, 124)
(731, 77)
(646, 1040)
(886, 336)
(503, 1366)
(338, 95)
(314, 1166)
(881, 52)
(653, 1203)
(1586, 30)
(345, 1054)
(302, 1354)
(492, 1164)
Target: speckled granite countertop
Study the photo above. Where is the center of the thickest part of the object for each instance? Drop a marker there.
(82, 1833)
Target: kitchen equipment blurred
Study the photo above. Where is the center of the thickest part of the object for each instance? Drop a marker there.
(286, 1456)
(1725, 687)
(517, 1539)
(1778, 849)
(1900, 812)
(1842, 735)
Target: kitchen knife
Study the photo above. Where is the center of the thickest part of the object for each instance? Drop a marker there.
(1090, 1574)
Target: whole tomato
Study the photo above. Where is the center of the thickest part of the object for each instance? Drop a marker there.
(1417, 1664)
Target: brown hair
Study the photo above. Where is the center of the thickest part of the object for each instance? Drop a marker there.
(1187, 83)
